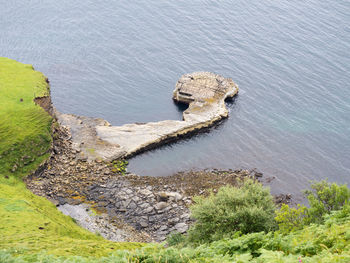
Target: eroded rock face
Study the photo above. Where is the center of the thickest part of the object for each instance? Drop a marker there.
(205, 93)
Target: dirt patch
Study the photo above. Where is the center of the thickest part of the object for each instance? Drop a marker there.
(45, 103)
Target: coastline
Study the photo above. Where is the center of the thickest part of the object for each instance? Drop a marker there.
(145, 208)
(127, 206)
(123, 206)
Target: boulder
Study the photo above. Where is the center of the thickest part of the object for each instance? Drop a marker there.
(181, 227)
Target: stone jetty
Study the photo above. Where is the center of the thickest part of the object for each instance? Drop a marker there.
(204, 92)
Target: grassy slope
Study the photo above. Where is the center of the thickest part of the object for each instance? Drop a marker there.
(24, 141)
(24, 126)
(325, 243)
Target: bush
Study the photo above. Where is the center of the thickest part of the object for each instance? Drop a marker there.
(326, 197)
(249, 208)
(175, 238)
(290, 219)
(323, 198)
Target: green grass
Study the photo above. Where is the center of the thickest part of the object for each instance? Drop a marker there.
(28, 223)
(31, 224)
(24, 127)
(328, 242)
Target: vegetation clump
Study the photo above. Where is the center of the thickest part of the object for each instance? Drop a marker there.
(324, 197)
(291, 218)
(119, 166)
(247, 209)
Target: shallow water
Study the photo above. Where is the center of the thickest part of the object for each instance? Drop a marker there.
(120, 60)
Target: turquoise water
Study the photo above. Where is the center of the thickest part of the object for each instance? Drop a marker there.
(120, 60)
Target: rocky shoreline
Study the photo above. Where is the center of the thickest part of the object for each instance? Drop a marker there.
(82, 180)
(123, 207)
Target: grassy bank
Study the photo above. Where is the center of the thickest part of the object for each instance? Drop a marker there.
(24, 127)
(28, 223)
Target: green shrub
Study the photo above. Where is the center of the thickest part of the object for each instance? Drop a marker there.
(325, 197)
(175, 238)
(249, 208)
(290, 218)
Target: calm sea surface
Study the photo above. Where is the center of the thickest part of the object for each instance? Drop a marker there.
(120, 60)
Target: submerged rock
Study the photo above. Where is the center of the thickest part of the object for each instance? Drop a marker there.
(205, 93)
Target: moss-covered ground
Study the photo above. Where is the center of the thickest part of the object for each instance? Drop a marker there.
(28, 223)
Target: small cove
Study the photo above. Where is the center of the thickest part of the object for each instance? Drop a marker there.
(120, 61)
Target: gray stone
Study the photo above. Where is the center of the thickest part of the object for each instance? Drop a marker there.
(143, 205)
(173, 220)
(186, 215)
(135, 199)
(132, 205)
(85, 218)
(144, 224)
(145, 192)
(154, 218)
(148, 210)
(162, 228)
(160, 205)
(181, 227)
(125, 203)
(128, 191)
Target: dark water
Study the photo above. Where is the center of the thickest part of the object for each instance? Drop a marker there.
(120, 60)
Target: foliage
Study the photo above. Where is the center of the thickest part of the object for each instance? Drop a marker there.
(325, 197)
(328, 242)
(175, 238)
(290, 218)
(119, 166)
(246, 209)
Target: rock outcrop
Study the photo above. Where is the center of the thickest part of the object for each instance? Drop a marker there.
(205, 93)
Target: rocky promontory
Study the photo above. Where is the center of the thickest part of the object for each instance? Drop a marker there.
(204, 92)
